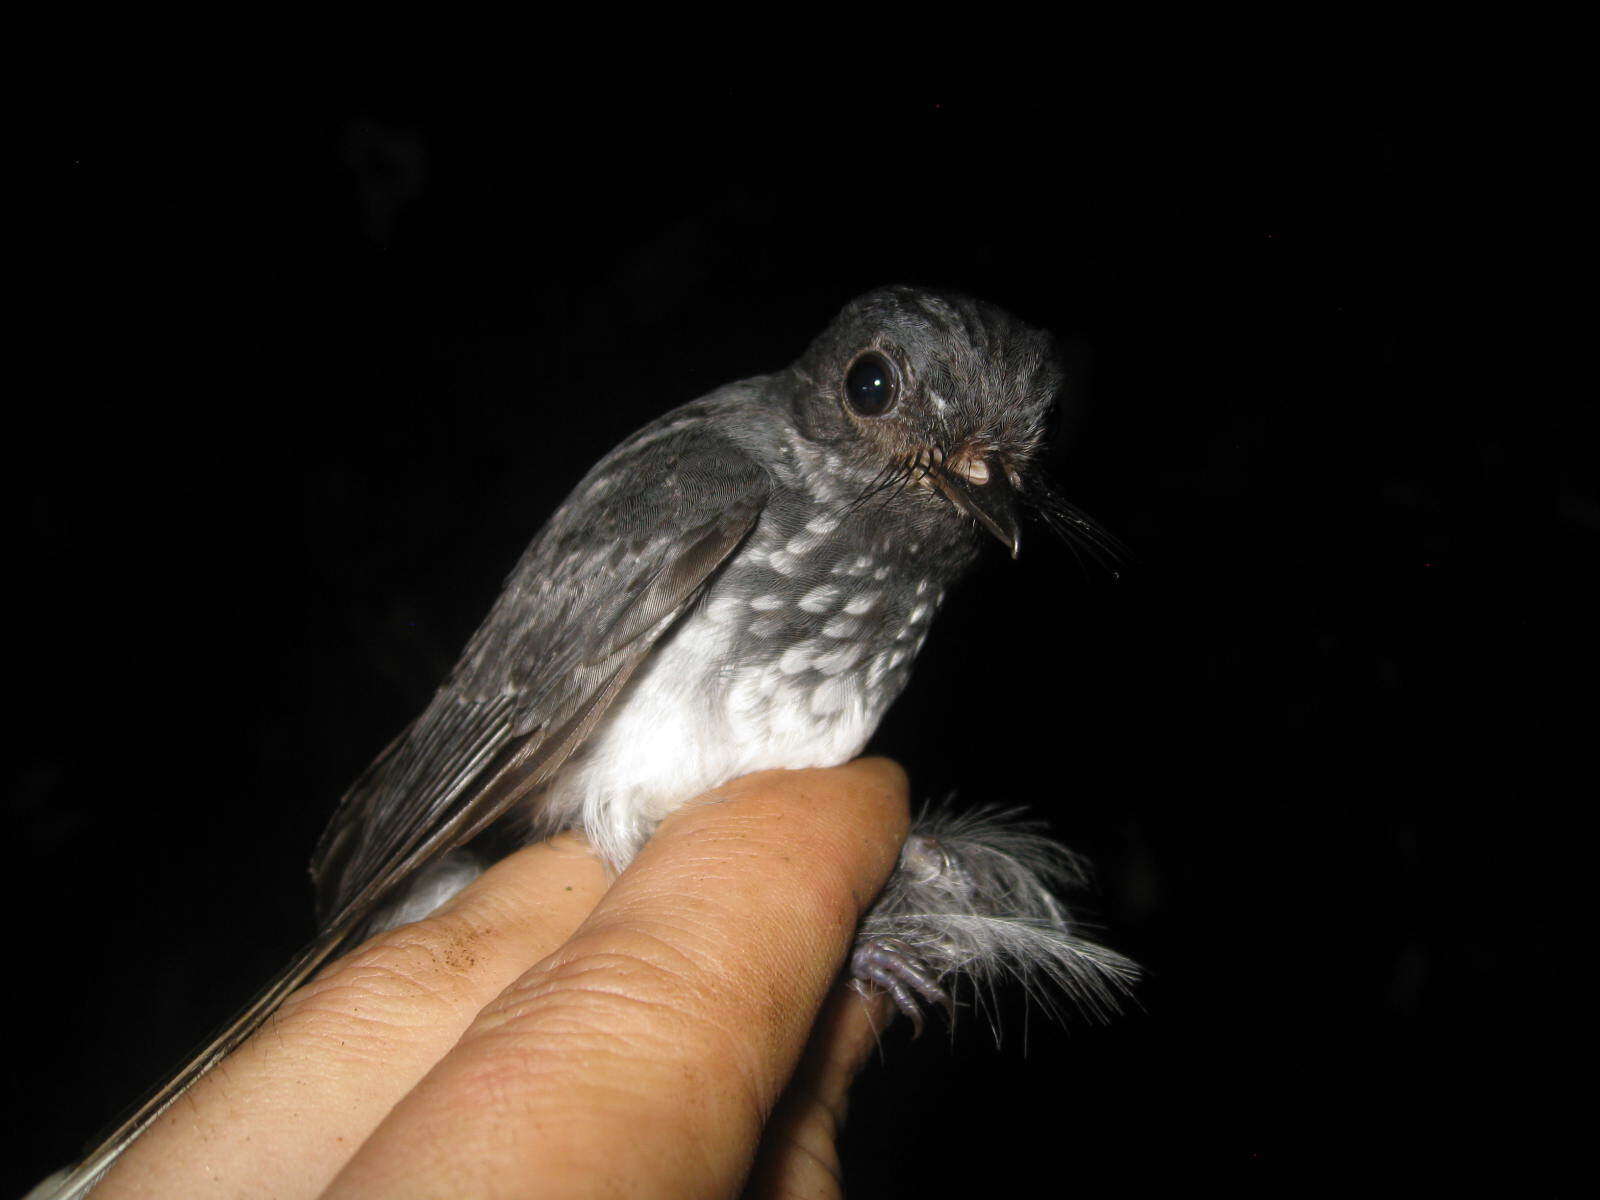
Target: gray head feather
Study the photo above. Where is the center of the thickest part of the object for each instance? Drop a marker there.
(975, 378)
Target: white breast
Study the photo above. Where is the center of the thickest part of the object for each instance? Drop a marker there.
(691, 719)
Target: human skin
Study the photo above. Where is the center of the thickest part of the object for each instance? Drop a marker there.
(680, 1032)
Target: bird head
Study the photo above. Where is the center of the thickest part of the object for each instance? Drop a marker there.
(935, 399)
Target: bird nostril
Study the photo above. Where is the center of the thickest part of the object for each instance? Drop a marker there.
(971, 465)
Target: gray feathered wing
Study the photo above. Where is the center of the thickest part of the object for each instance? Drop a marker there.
(628, 554)
(616, 567)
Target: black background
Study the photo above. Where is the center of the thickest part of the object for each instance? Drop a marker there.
(318, 365)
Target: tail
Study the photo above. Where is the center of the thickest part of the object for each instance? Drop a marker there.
(77, 1181)
(975, 898)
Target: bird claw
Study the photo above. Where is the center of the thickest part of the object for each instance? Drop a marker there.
(891, 966)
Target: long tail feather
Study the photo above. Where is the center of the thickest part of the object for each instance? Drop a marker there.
(82, 1177)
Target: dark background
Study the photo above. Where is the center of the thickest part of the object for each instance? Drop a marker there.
(316, 368)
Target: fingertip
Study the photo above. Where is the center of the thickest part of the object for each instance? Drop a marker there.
(882, 784)
(843, 825)
(885, 771)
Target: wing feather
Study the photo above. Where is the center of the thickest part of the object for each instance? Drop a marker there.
(622, 560)
(620, 563)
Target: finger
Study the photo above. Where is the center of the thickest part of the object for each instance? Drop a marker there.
(799, 1154)
(281, 1115)
(648, 1052)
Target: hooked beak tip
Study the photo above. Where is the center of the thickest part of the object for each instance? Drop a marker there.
(988, 497)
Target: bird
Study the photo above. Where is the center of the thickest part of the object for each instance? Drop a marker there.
(743, 584)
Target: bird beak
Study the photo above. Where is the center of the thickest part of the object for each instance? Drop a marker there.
(983, 492)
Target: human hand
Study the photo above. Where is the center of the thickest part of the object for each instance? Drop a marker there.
(680, 1033)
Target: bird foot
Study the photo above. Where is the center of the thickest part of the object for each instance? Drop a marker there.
(889, 965)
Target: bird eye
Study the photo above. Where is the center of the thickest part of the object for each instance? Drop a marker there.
(870, 385)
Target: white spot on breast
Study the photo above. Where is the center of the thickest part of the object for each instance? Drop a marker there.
(819, 599)
(797, 658)
(816, 532)
(918, 614)
(783, 562)
(749, 695)
(881, 573)
(864, 603)
(859, 565)
(833, 695)
(922, 586)
(841, 627)
(766, 603)
(724, 609)
(839, 660)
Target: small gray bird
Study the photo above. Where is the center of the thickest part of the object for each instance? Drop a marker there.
(741, 585)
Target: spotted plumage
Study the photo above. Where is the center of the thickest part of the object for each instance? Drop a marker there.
(742, 584)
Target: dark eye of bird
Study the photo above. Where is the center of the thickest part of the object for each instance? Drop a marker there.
(869, 385)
